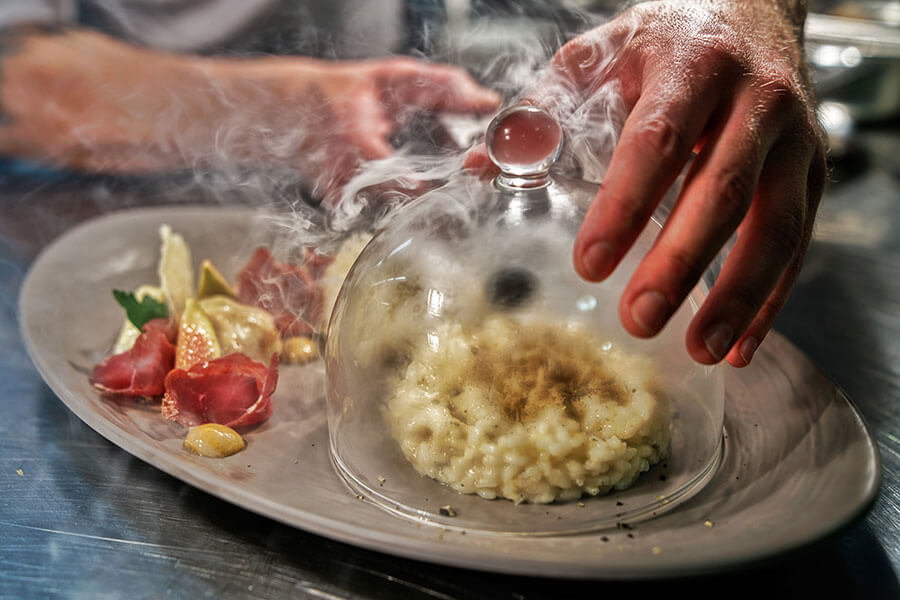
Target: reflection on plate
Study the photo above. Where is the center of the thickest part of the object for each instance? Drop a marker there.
(799, 463)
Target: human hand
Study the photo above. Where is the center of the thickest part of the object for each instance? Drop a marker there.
(84, 101)
(333, 116)
(725, 81)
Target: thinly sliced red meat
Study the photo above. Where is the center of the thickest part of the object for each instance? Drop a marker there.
(142, 370)
(289, 292)
(315, 262)
(233, 390)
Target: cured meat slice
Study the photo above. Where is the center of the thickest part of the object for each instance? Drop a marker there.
(141, 370)
(289, 292)
(315, 262)
(233, 390)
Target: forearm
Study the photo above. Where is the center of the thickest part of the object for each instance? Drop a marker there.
(82, 100)
(68, 96)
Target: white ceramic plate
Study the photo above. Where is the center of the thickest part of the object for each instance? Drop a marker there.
(799, 463)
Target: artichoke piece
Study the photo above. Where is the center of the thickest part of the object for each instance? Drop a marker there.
(242, 328)
(176, 273)
(212, 282)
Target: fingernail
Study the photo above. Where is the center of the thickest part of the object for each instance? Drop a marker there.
(718, 339)
(597, 259)
(649, 311)
(748, 348)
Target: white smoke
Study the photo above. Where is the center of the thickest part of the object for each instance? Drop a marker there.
(270, 147)
(519, 68)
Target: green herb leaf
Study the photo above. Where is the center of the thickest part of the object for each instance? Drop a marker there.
(139, 312)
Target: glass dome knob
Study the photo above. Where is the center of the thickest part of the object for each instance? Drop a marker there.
(524, 141)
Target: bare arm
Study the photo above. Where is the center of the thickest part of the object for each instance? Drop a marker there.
(85, 101)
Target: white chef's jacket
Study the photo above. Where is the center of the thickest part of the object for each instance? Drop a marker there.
(370, 27)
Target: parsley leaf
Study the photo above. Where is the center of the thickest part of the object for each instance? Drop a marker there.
(139, 312)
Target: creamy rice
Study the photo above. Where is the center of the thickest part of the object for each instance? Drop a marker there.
(529, 412)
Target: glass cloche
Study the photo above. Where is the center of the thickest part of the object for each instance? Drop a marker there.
(475, 381)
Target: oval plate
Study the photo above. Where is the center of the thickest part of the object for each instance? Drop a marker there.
(799, 462)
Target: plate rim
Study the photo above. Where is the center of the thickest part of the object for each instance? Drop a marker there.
(380, 540)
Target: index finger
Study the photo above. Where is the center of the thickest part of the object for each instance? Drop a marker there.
(655, 144)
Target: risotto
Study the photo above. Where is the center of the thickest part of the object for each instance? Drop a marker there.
(529, 412)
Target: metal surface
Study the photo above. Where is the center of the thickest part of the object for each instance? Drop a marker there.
(80, 518)
(789, 435)
(871, 38)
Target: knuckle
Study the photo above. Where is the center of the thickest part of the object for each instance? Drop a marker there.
(782, 241)
(571, 52)
(630, 216)
(784, 237)
(779, 98)
(769, 311)
(746, 300)
(581, 61)
(732, 193)
(659, 137)
(685, 269)
(716, 53)
(573, 55)
(781, 91)
(716, 56)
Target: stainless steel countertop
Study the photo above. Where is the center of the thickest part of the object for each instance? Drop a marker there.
(85, 519)
(80, 518)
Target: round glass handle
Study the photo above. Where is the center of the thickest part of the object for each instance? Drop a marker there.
(524, 141)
